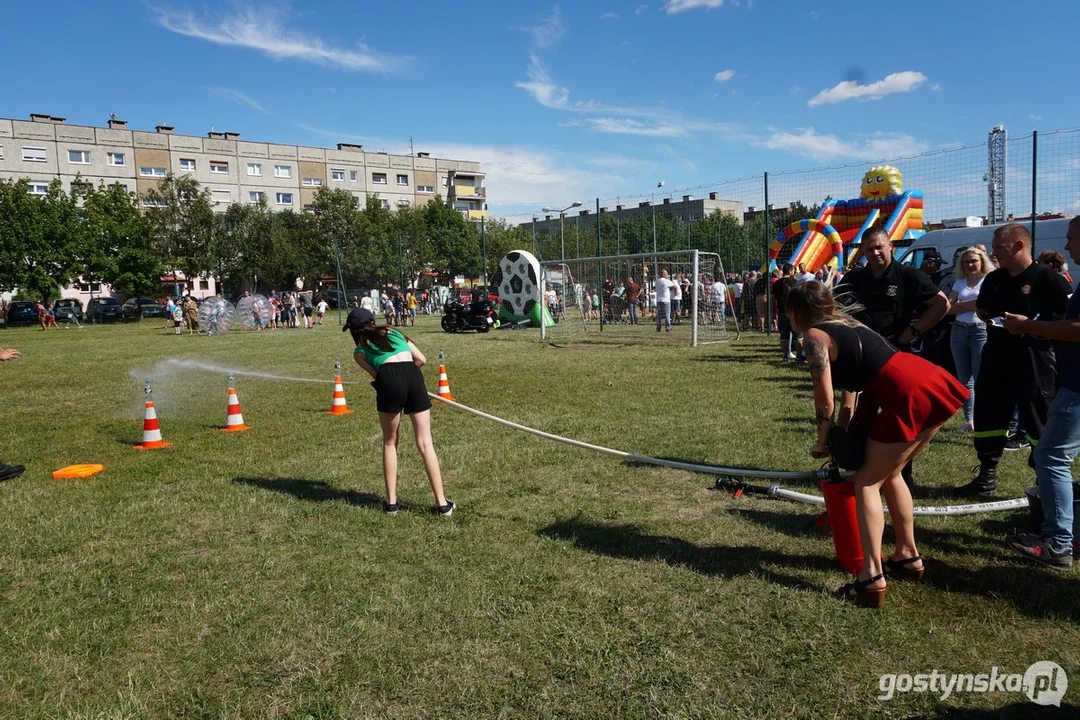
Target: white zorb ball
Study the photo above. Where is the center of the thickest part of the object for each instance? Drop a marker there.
(216, 315)
(520, 290)
(252, 308)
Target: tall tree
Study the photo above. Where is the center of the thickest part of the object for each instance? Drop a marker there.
(116, 240)
(39, 246)
(455, 243)
(184, 224)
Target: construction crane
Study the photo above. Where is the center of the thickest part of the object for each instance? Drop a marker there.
(996, 145)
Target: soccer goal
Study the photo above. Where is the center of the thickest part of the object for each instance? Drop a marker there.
(616, 296)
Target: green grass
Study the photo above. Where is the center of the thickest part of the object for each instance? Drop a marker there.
(253, 575)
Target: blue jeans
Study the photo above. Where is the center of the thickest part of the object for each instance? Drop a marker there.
(787, 336)
(1058, 446)
(663, 312)
(633, 312)
(967, 345)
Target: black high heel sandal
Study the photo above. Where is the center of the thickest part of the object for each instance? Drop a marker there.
(860, 593)
(898, 570)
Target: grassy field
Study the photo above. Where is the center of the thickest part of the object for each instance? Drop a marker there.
(253, 575)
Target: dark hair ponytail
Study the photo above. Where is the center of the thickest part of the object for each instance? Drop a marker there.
(370, 336)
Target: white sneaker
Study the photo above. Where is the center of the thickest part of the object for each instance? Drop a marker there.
(967, 427)
(790, 356)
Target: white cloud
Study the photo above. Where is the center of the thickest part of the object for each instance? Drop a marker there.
(808, 143)
(677, 6)
(609, 16)
(549, 31)
(238, 97)
(724, 75)
(543, 89)
(264, 30)
(936, 87)
(627, 126)
(640, 9)
(1035, 118)
(795, 89)
(900, 82)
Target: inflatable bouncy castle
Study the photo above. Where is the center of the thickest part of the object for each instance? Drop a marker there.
(833, 237)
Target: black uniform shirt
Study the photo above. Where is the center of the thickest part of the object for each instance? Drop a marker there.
(1037, 290)
(892, 300)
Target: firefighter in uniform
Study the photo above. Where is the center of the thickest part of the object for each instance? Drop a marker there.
(892, 295)
(1017, 371)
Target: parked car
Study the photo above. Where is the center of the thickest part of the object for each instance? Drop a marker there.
(67, 307)
(21, 312)
(335, 299)
(102, 309)
(138, 308)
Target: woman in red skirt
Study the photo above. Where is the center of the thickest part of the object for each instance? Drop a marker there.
(900, 400)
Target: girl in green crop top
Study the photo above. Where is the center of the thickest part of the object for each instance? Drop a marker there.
(394, 362)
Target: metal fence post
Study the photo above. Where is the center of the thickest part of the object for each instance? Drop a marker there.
(1034, 183)
(764, 274)
(600, 265)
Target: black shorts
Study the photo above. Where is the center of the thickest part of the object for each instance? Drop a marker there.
(307, 312)
(400, 386)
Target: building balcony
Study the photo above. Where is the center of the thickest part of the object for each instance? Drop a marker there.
(469, 191)
(476, 214)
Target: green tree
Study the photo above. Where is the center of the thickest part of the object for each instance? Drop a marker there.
(417, 253)
(184, 224)
(456, 244)
(116, 240)
(39, 239)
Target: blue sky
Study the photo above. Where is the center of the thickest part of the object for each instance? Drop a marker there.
(560, 102)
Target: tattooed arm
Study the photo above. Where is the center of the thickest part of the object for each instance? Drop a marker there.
(816, 345)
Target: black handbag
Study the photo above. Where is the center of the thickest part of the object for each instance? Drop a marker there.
(848, 445)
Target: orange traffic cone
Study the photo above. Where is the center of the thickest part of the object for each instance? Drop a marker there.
(234, 419)
(444, 384)
(151, 434)
(338, 407)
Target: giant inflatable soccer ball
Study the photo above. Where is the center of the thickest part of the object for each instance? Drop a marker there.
(216, 315)
(520, 294)
(254, 311)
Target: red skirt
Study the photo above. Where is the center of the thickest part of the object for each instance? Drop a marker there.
(908, 396)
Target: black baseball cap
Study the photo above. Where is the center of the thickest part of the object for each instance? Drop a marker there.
(358, 319)
(932, 255)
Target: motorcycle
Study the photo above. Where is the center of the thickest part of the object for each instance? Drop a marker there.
(478, 316)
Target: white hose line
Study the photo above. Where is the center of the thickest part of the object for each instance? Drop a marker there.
(774, 490)
(927, 510)
(694, 467)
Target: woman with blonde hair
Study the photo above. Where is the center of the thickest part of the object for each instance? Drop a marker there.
(899, 399)
(969, 331)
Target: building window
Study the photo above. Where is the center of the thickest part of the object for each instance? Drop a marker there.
(255, 169)
(37, 188)
(187, 164)
(117, 159)
(385, 203)
(153, 172)
(463, 181)
(221, 196)
(402, 179)
(337, 175)
(353, 176)
(378, 178)
(425, 188)
(89, 287)
(1, 152)
(463, 207)
(283, 171)
(255, 197)
(79, 157)
(33, 154)
(312, 182)
(152, 203)
(221, 168)
(403, 203)
(284, 198)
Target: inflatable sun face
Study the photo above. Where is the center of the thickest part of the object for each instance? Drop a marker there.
(881, 181)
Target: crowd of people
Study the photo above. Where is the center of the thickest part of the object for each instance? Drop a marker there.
(997, 335)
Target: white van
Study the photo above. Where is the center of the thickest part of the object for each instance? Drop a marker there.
(1049, 235)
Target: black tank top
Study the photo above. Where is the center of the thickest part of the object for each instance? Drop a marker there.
(855, 367)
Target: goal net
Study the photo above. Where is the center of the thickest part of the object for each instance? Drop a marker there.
(616, 296)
